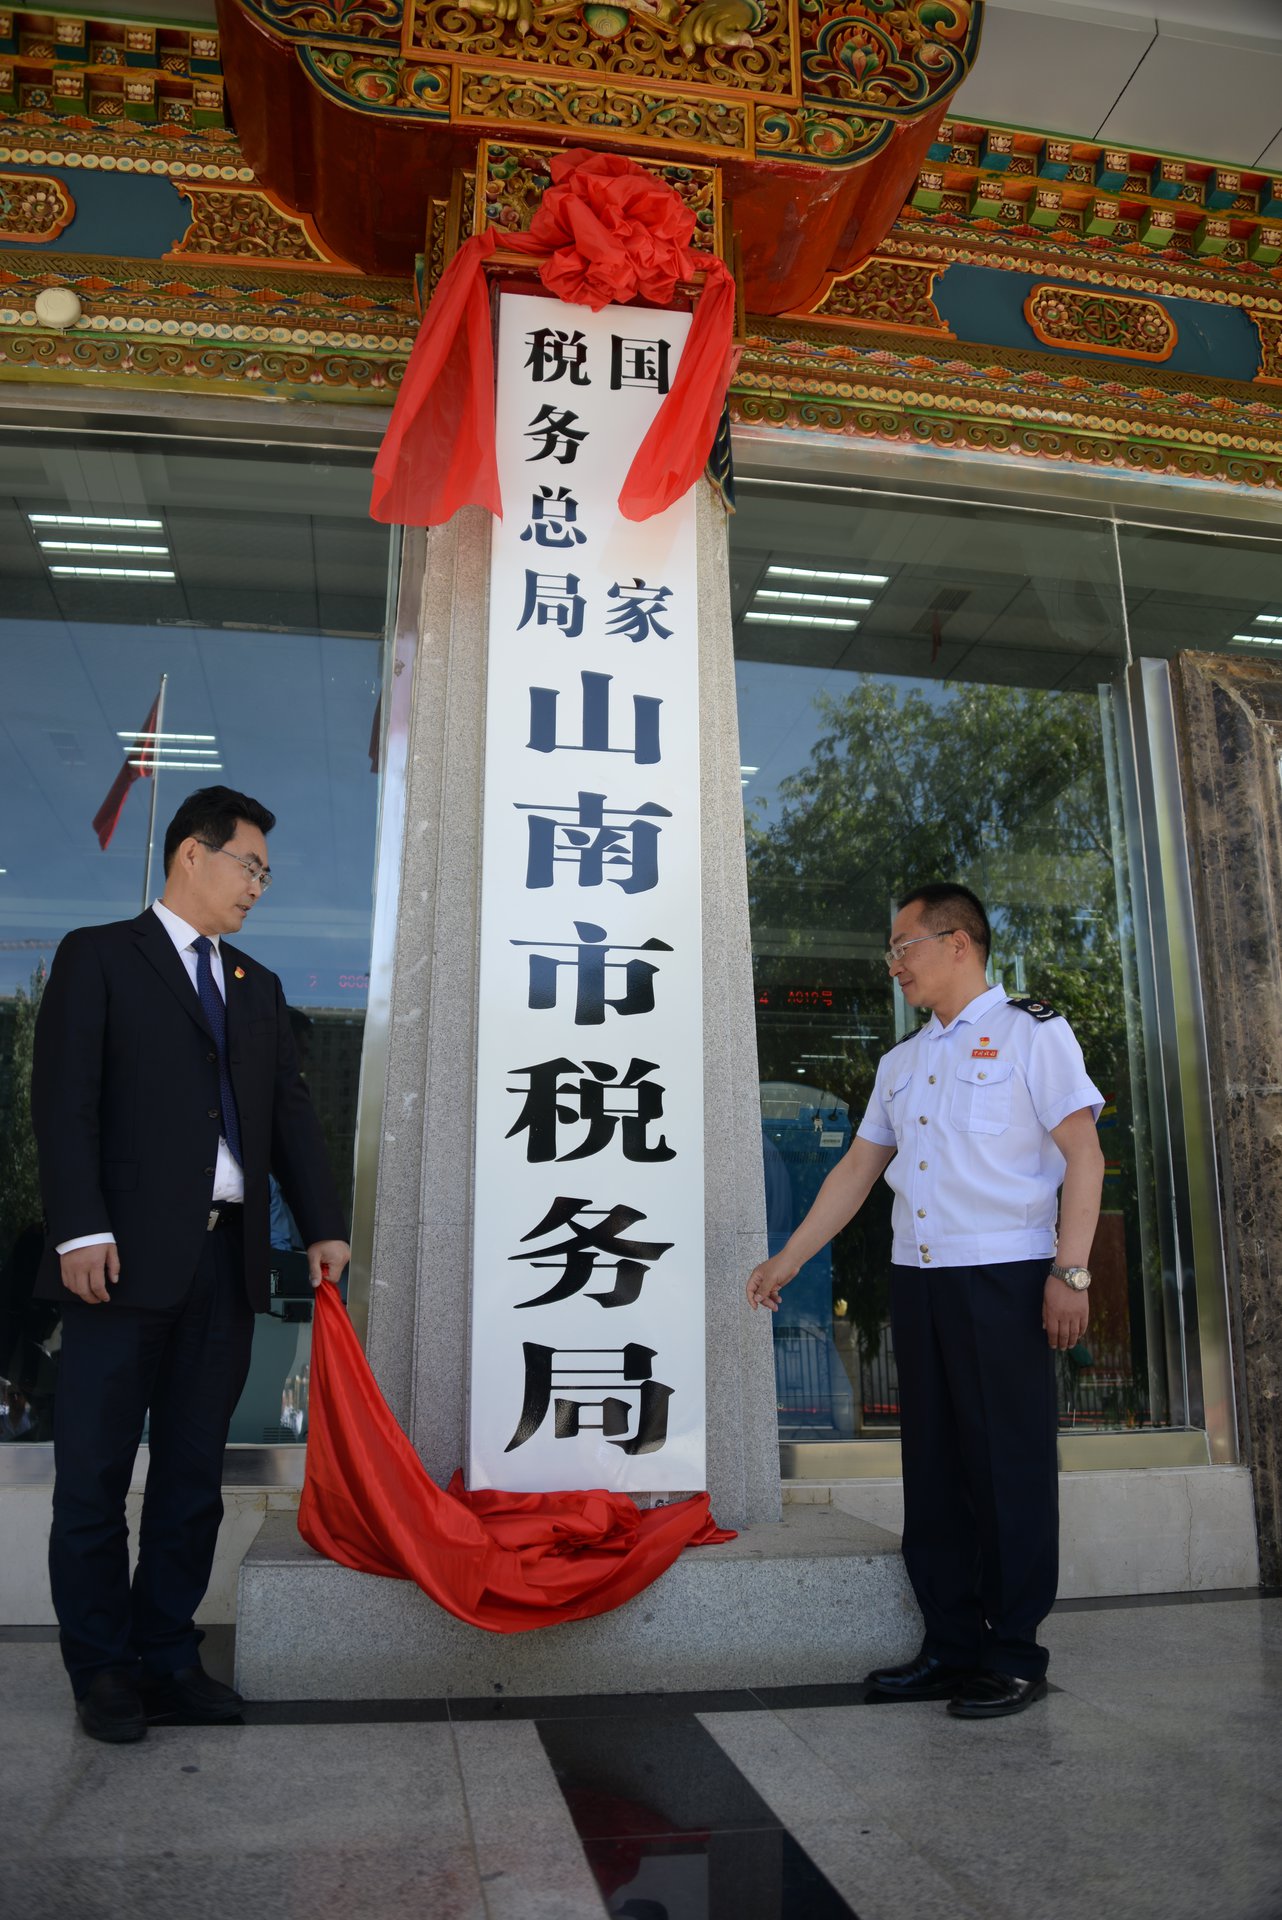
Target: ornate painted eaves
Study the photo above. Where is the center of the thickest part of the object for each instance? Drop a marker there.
(309, 334)
(818, 112)
(1070, 194)
(954, 396)
(255, 297)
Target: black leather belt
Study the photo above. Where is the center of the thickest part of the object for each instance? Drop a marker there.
(226, 1214)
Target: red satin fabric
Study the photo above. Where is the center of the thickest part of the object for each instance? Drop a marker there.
(504, 1561)
(605, 232)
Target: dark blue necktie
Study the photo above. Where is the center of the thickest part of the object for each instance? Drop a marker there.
(216, 1014)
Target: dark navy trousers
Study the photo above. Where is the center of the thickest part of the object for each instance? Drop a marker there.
(188, 1365)
(981, 1481)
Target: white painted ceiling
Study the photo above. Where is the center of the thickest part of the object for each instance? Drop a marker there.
(1202, 79)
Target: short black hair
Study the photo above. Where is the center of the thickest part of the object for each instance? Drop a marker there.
(948, 904)
(213, 814)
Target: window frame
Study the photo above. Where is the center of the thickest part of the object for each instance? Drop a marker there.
(183, 420)
(1195, 1278)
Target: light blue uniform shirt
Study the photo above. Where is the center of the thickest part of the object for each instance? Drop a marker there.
(969, 1108)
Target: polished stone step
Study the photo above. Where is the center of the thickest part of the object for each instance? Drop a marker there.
(818, 1597)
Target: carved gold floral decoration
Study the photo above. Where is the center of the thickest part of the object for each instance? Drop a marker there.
(1101, 322)
(33, 207)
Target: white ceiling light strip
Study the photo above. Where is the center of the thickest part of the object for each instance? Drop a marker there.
(772, 606)
(122, 550)
(113, 573)
(793, 596)
(95, 520)
(148, 733)
(192, 752)
(820, 573)
(800, 620)
(167, 752)
(137, 756)
(100, 546)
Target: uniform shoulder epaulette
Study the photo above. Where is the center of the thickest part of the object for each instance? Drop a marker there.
(1040, 1009)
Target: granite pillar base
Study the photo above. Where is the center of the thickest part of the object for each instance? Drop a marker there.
(819, 1597)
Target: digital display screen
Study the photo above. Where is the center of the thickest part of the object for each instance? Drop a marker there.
(797, 999)
(328, 983)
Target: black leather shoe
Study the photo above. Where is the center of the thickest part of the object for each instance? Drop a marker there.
(111, 1708)
(988, 1696)
(190, 1695)
(921, 1679)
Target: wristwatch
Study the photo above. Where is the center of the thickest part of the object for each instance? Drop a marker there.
(1078, 1278)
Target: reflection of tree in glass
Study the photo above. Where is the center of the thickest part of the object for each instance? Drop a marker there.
(19, 1174)
(25, 1325)
(1001, 788)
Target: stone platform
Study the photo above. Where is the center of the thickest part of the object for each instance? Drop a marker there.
(817, 1597)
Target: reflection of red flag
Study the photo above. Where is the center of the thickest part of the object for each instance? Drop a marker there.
(375, 735)
(140, 764)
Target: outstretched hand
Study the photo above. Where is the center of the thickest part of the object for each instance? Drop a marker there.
(766, 1282)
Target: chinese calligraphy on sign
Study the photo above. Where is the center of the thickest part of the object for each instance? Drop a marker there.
(587, 1284)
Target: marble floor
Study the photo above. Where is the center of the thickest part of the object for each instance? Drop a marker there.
(1148, 1783)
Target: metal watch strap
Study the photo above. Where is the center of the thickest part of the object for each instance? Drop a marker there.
(1062, 1273)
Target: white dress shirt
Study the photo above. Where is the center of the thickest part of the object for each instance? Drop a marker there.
(229, 1182)
(969, 1108)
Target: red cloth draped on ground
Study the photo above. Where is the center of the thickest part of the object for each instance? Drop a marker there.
(606, 232)
(504, 1561)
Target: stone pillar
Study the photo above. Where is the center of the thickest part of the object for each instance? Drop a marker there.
(1229, 718)
(418, 1312)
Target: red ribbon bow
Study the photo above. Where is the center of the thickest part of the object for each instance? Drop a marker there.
(605, 232)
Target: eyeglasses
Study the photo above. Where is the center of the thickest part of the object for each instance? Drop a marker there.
(262, 875)
(895, 954)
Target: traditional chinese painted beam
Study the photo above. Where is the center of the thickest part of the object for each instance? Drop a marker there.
(817, 117)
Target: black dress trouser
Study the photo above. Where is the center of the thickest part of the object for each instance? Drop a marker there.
(981, 1481)
(188, 1365)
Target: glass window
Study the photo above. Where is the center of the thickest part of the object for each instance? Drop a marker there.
(1215, 592)
(252, 581)
(921, 689)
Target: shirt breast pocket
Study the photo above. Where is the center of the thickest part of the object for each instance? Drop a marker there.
(897, 1100)
(982, 1096)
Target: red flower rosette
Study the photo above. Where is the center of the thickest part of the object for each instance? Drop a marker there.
(605, 233)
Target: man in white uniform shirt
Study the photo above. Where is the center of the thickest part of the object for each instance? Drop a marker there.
(978, 1120)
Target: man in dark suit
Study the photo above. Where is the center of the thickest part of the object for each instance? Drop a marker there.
(165, 1088)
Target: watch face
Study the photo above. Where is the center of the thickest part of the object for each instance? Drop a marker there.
(1078, 1278)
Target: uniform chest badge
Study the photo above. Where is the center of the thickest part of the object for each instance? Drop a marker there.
(984, 1053)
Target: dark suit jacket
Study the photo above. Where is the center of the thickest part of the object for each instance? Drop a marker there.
(124, 1101)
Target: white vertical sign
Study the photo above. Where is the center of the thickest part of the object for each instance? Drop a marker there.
(587, 1283)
